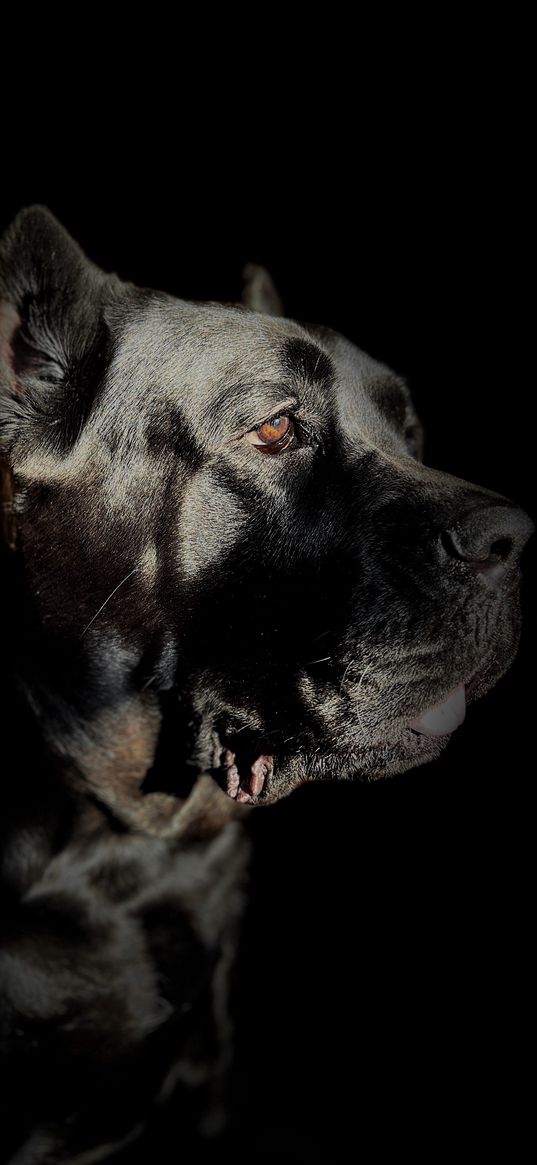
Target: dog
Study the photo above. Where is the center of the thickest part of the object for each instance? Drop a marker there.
(234, 560)
(226, 572)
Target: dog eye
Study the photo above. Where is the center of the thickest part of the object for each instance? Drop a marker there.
(273, 436)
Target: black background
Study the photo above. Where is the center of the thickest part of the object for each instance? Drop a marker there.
(380, 992)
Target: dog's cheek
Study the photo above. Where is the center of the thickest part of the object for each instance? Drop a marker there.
(211, 522)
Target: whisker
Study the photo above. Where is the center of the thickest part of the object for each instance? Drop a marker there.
(349, 665)
(321, 636)
(366, 669)
(323, 660)
(111, 595)
(357, 709)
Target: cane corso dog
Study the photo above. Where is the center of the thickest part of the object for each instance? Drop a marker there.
(231, 556)
(225, 572)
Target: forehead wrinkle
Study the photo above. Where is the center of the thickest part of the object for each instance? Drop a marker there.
(239, 404)
(209, 359)
(231, 360)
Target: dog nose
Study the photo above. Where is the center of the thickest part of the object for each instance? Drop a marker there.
(490, 539)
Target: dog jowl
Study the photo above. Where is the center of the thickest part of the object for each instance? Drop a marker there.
(228, 540)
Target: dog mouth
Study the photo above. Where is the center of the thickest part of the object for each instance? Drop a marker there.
(247, 776)
(256, 769)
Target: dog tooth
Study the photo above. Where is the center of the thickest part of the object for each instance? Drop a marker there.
(242, 795)
(260, 770)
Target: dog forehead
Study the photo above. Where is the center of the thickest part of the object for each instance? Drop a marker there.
(361, 378)
(205, 357)
(201, 347)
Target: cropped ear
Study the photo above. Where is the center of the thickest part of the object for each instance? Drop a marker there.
(50, 319)
(259, 292)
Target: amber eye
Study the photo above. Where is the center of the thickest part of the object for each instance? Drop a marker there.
(273, 435)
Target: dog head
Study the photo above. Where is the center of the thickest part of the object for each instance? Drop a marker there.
(224, 514)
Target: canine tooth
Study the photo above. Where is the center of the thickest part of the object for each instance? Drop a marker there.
(259, 771)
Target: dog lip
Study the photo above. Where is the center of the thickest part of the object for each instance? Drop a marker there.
(444, 717)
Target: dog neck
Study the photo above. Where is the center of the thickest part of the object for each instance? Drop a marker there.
(58, 733)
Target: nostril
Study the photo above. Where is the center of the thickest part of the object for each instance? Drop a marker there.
(501, 550)
(489, 540)
(479, 553)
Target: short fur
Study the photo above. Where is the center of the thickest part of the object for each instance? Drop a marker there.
(308, 606)
(176, 605)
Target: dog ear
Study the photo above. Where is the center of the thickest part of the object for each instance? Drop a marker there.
(259, 292)
(49, 316)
